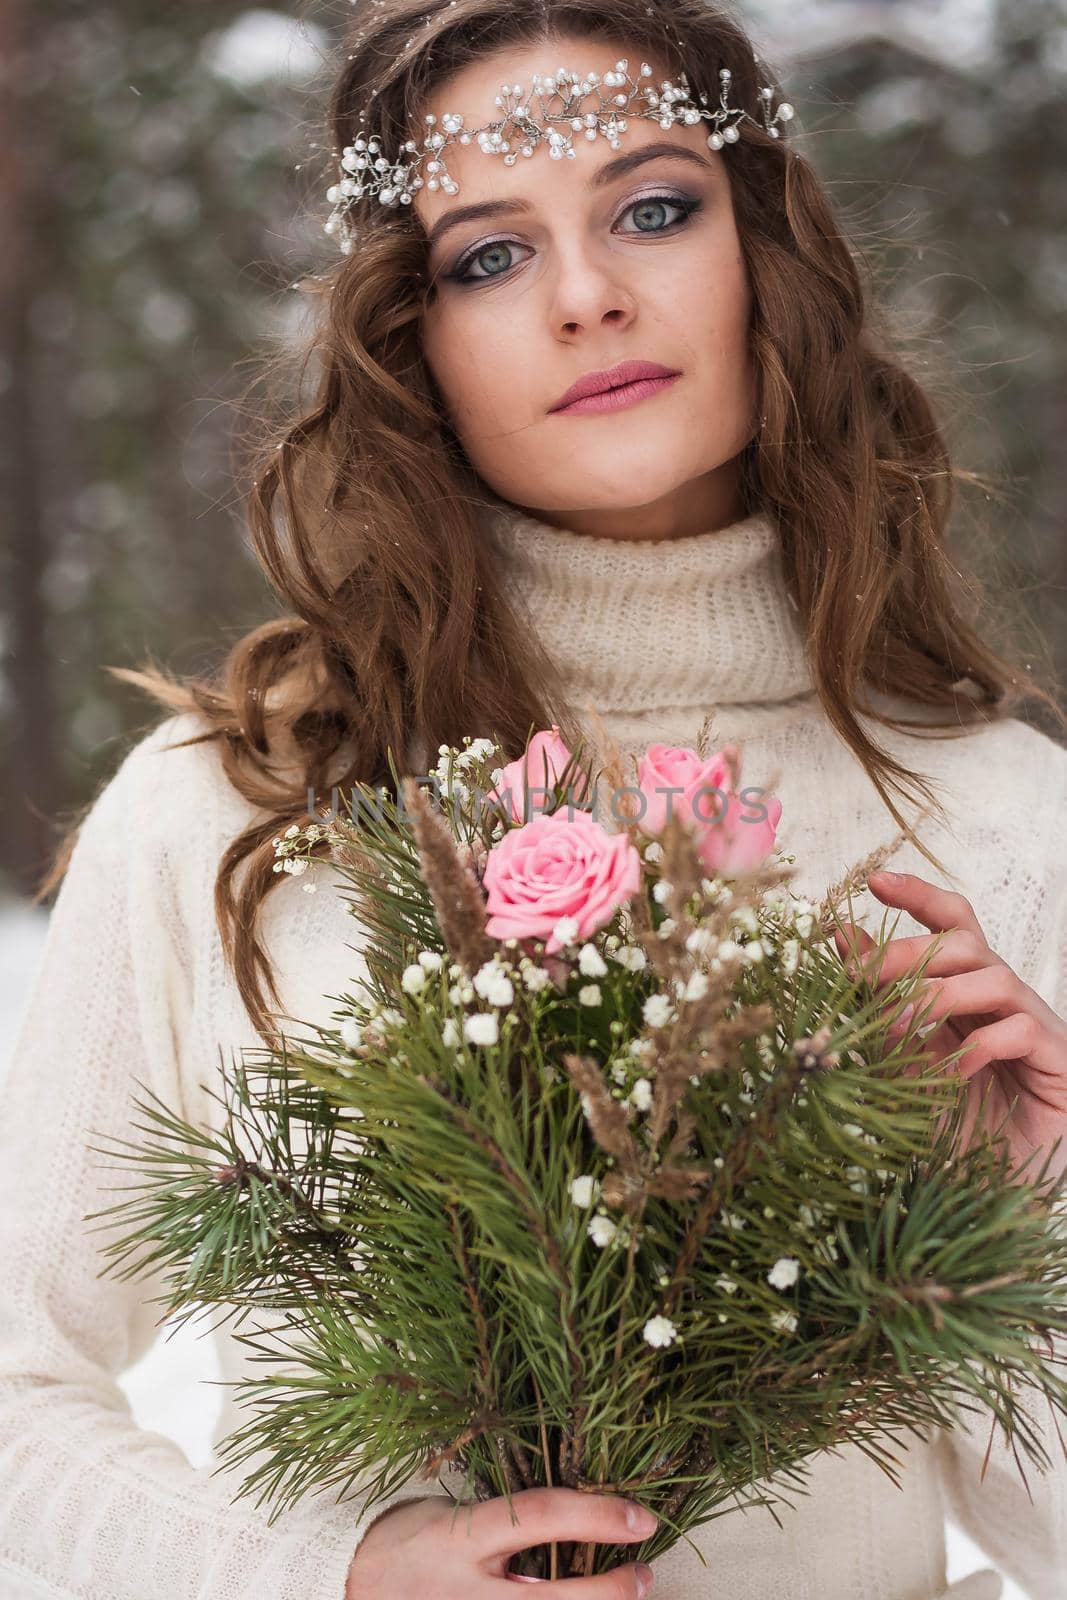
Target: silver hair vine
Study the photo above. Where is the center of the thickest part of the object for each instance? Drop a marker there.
(520, 129)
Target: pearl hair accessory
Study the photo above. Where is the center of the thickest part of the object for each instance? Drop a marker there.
(368, 172)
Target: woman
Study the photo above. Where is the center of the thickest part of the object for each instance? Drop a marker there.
(756, 531)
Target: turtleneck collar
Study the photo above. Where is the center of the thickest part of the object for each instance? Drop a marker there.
(664, 629)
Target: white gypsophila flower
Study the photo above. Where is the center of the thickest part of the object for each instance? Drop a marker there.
(641, 1047)
(695, 987)
(535, 978)
(700, 942)
(804, 924)
(591, 963)
(790, 956)
(666, 927)
(449, 1033)
(481, 1028)
(589, 994)
(351, 1032)
(455, 993)
(413, 979)
(620, 1072)
(391, 1017)
(659, 1332)
(641, 1094)
(661, 890)
(493, 984)
(297, 865)
(478, 749)
(291, 833)
(728, 950)
(584, 1190)
(657, 1011)
(566, 930)
(601, 1230)
(784, 1273)
(730, 1219)
(654, 851)
(754, 951)
(430, 960)
(631, 957)
(784, 1321)
(727, 1284)
(745, 917)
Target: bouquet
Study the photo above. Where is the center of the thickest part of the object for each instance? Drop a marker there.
(606, 1174)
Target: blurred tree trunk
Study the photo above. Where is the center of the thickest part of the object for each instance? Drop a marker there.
(29, 776)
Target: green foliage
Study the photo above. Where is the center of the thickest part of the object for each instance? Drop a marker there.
(831, 1263)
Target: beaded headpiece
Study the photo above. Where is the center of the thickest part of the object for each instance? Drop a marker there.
(521, 128)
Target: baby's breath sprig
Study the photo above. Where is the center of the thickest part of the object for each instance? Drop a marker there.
(297, 847)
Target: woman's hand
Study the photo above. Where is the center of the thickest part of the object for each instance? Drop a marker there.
(431, 1547)
(1015, 1044)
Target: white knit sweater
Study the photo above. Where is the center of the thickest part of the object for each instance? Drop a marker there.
(133, 990)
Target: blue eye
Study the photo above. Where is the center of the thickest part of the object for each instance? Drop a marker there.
(650, 205)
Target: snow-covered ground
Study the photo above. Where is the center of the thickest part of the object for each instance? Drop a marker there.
(170, 1389)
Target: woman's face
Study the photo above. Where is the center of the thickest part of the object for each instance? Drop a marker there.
(583, 265)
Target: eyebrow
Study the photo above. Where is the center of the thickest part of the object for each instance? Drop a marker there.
(616, 168)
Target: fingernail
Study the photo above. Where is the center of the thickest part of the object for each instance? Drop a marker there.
(902, 1021)
(644, 1579)
(640, 1519)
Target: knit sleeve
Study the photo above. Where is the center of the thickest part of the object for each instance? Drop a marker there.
(1025, 1534)
(91, 1505)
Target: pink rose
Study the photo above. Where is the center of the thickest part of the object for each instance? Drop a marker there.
(675, 782)
(538, 769)
(743, 839)
(668, 768)
(558, 866)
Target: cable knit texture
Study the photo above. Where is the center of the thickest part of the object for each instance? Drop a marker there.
(133, 992)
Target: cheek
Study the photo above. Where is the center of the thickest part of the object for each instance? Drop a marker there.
(714, 307)
(476, 357)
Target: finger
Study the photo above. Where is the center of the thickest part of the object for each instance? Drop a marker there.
(955, 952)
(853, 943)
(543, 1515)
(623, 1583)
(937, 909)
(1016, 1038)
(997, 990)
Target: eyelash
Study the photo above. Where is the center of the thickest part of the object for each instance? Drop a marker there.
(688, 205)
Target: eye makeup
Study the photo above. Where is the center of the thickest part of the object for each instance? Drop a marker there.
(686, 204)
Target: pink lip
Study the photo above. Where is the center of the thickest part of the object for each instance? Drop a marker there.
(618, 399)
(629, 381)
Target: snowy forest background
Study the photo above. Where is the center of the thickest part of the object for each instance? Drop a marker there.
(161, 174)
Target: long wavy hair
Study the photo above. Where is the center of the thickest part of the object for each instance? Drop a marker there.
(395, 634)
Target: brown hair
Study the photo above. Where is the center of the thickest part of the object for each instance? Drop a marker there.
(365, 514)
